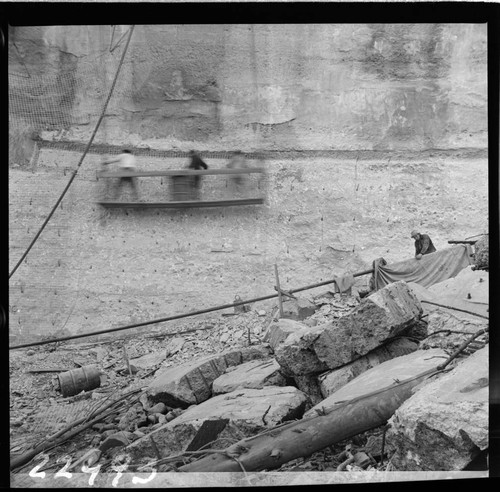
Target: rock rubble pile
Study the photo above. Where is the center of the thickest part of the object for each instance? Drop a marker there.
(229, 378)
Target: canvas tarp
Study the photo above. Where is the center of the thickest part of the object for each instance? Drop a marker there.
(429, 270)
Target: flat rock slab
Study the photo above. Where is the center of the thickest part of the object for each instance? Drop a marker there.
(334, 380)
(444, 424)
(423, 294)
(298, 309)
(379, 317)
(384, 375)
(191, 383)
(174, 345)
(469, 290)
(149, 360)
(459, 326)
(254, 374)
(454, 292)
(248, 411)
(278, 331)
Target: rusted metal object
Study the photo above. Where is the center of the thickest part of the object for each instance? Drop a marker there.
(241, 308)
(83, 379)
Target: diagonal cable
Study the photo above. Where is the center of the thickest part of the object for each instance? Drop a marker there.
(75, 172)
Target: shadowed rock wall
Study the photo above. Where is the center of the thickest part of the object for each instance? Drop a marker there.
(344, 86)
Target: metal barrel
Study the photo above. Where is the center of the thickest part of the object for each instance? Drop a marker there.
(83, 379)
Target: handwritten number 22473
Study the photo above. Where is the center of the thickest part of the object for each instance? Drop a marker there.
(64, 471)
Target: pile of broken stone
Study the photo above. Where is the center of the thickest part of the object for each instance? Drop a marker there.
(302, 367)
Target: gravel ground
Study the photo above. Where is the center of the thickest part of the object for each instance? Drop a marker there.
(38, 409)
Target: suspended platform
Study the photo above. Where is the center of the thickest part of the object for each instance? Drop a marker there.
(184, 204)
(180, 172)
(181, 192)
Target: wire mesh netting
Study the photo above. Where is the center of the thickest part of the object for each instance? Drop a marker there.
(62, 81)
(52, 90)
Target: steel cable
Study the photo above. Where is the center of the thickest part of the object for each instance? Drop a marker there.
(75, 172)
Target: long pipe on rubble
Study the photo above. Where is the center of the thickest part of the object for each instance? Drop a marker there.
(456, 309)
(185, 315)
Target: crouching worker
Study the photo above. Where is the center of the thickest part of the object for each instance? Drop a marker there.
(423, 244)
(126, 163)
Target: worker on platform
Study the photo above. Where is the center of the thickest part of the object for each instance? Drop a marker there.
(196, 163)
(126, 163)
(423, 244)
(237, 161)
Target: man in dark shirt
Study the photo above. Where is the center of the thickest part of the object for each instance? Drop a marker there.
(423, 244)
(196, 163)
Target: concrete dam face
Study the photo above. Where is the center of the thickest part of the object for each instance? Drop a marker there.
(366, 132)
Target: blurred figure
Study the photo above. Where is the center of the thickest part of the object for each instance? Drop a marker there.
(126, 163)
(196, 163)
(423, 244)
(238, 161)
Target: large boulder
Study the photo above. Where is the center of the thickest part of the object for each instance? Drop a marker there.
(247, 411)
(278, 331)
(382, 376)
(296, 354)
(383, 315)
(444, 425)
(482, 253)
(191, 382)
(254, 374)
(334, 380)
(174, 345)
(309, 384)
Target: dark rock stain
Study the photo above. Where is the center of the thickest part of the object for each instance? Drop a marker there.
(415, 115)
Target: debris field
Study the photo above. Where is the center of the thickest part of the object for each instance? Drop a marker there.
(396, 380)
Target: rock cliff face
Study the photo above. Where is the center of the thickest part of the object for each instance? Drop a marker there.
(344, 86)
(362, 89)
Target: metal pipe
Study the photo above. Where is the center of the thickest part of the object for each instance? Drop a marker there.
(455, 309)
(179, 316)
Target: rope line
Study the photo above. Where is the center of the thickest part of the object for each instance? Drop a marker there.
(75, 172)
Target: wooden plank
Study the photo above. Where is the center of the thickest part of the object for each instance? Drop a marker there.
(280, 300)
(178, 172)
(184, 204)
